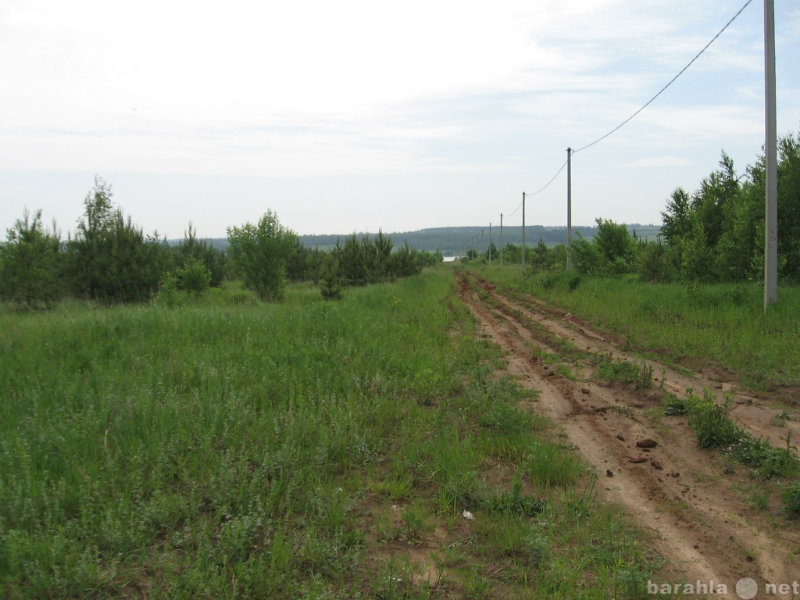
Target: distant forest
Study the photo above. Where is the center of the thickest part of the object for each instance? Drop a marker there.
(713, 234)
(457, 241)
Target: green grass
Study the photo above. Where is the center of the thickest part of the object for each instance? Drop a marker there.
(720, 326)
(225, 448)
(620, 371)
(714, 429)
(695, 324)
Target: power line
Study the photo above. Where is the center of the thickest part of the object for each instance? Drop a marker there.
(539, 191)
(552, 179)
(516, 210)
(662, 90)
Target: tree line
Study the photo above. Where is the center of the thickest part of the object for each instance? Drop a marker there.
(110, 259)
(715, 234)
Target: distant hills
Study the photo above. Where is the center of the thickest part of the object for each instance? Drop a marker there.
(455, 241)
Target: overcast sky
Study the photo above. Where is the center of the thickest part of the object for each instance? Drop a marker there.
(358, 115)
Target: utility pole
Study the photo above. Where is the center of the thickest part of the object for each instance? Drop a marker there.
(490, 242)
(771, 146)
(523, 230)
(501, 239)
(569, 209)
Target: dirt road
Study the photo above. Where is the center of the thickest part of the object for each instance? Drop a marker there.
(696, 501)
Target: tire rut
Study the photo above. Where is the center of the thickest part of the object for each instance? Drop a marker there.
(698, 513)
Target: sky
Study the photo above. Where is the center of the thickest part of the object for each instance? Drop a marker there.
(360, 115)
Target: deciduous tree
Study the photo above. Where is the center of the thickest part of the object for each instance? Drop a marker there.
(259, 254)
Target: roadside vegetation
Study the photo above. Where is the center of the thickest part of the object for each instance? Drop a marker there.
(712, 235)
(720, 326)
(694, 296)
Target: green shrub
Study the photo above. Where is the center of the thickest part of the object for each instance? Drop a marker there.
(710, 423)
(768, 461)
(168, 293)
(674, 406)
(194, 277)
(791, 501)
(621, 371)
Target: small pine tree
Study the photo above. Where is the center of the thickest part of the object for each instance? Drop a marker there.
(30, 263)
(331, 281)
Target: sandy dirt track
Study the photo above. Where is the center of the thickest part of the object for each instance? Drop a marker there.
(693, 500)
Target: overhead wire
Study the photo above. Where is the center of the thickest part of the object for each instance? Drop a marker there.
(671, 81)
(635, 114)
(552, 179)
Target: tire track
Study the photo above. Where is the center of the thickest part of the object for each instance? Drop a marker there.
(704, 526)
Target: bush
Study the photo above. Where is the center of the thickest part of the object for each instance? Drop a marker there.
(791, 501)
(259, 255)
(168, 293)
(711, 424)
(194, 277)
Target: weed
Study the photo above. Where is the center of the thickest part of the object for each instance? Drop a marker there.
(779, 419)
(768, 461)
(758, 498)
(674, 406)
(713, 428)
(564, 371)
(621, 371)
(514, 502)
(506, 419)
(791, 501)
(710, 423)
(414, 522)
(549, 465)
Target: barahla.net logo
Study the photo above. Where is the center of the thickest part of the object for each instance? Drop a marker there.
(746, 588)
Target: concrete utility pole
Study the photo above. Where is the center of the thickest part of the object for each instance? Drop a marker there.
(490, 242)
(569, 208)
(771, 146)
(523, 230)
(501, 239)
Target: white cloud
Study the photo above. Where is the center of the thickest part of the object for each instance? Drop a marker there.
(276, 89)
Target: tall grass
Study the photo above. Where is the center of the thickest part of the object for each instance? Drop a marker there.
(228, 448)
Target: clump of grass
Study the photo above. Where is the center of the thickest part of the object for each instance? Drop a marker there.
(758, 498)
(550, 465)
(710, 423)
(769, 462)
(506, 418)
(714, 428)
(637, 373)
(779, 420)
(791, 501)
(674, 406)
(514, 502)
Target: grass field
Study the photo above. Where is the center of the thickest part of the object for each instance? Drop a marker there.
(233, 449)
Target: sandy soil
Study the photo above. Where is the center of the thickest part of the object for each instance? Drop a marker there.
(694, 500)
